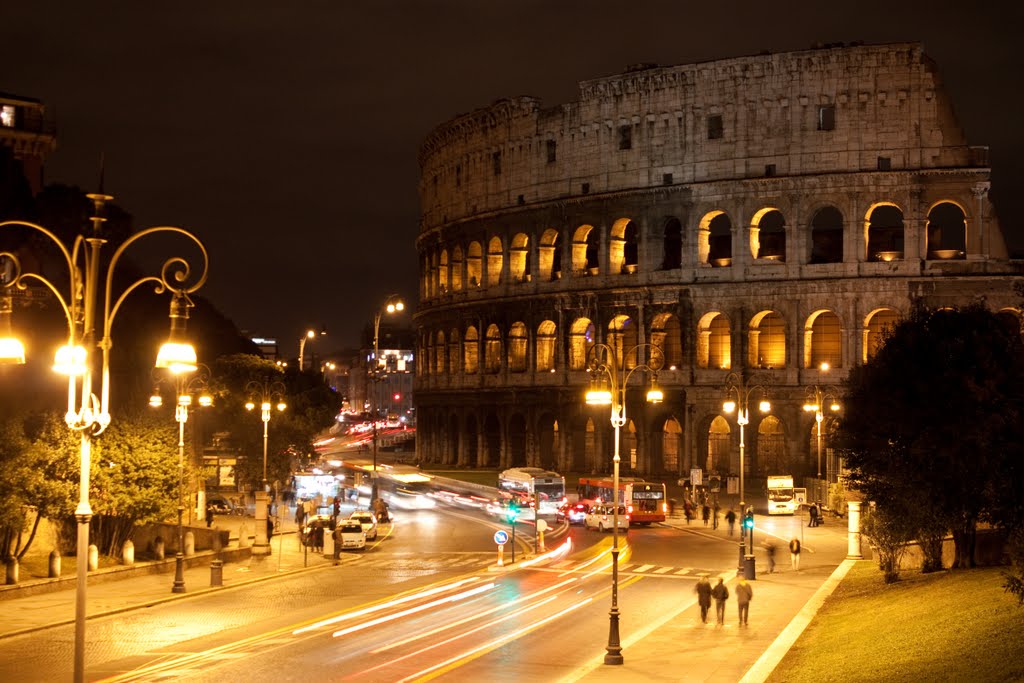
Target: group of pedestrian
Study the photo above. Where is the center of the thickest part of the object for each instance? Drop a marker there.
(814, 513)
(720, 594)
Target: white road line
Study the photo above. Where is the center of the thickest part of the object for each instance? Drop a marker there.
(643, 568)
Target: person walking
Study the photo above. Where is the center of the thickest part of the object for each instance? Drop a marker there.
(769, 549)
(794, 553)
(744, 593)
(720, 593)
(703, 591)
(715, 510)
(813, 521)
(705, 513)
(688, 510)
(209, 514)
(730, 518)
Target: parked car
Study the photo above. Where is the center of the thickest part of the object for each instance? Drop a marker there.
(350, 534)
(219, 504)
(602, 518)
(367, 521)
(574, 513)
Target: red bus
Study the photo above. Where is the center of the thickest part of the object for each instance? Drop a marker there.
(645, 501)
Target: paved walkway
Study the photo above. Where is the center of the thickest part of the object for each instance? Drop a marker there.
(674, 647)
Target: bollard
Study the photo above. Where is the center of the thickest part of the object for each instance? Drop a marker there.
(217, 573)
(128, 553)
(54, 564)
(12, 571)
(94, 558)
(190, 544)
(243, 536)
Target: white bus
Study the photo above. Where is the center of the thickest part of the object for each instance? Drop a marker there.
(535, 484)
(781, 496)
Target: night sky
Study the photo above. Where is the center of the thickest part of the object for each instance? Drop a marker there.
(284, 134)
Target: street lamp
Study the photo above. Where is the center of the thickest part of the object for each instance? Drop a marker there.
(87, 414)
(817, 399)
(392, 304)
(185, 389)
(310, 334)
(608, 387)
(737, 384)
(268, 393)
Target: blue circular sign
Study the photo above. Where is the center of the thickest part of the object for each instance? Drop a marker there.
(501, 537)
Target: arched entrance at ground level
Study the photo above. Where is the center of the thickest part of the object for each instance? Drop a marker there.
(452, 456)
(719, 439)
(492, 441)
(628, 454)
(517, 441)
(585, 454)
(471, 455)
(548, 444)
(671, 446)
(772, 455)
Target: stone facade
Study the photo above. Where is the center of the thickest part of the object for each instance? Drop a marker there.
(752, 218)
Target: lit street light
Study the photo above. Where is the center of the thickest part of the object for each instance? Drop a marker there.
(87, 414)
(737, 384)
(391, 305)
(185, 389)
(267, 393)
(608, 387)
(817, 399)
(310, 334)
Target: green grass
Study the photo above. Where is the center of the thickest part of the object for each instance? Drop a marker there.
(946, 626)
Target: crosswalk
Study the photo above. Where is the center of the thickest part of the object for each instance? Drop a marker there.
(470, 561)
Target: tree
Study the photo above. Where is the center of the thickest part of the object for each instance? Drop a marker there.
(933, 423)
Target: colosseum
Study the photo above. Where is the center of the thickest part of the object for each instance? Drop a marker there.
(741, 228)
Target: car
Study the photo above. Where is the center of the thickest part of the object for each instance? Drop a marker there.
(350, 534)
(219, 504)
(367, 521)
(602, 518)
(574, 513)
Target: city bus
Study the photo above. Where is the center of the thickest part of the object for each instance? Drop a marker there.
(535, 484)
(645, 501)
(781, 496)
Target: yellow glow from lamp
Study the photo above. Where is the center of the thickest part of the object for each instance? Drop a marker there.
(205, 400)
(280, 406)
(156, 400)
(729, 406)
(12, 351)
(249, 405)
(70, 360)
(764, 406)
(178, 357)
(655, 394)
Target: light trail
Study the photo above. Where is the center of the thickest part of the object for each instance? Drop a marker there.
(383, 605)
(414, 610)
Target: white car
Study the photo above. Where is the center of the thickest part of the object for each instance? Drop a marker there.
(367, 521)
(350, 535)
(602, 518)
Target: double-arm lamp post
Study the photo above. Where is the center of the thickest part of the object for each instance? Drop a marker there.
(310, 334)
(269, 394)
(609, 378)
(87, 414)
(185, 389)
(817, 399)
(391, 305)
(739, 386)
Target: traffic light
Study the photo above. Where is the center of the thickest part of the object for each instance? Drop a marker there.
(748, 520)
(512, 512)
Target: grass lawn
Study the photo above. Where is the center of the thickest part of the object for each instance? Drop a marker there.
(948, 626)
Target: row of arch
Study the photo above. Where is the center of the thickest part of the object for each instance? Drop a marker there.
(768, 237)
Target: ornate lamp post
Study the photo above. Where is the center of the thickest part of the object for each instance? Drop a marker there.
(608, 387)
(391, 305)
(817, 399)
(310, 334)
(268, 393)
(185, 389)
(738, 384)
(87, 414)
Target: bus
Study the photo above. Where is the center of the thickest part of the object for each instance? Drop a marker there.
(781, 496)
(535, 483)
(645, 501)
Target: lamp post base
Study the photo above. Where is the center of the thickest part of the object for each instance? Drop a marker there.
(179, 573)
(613, 654)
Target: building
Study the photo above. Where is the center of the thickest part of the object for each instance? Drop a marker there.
(752, 217)
(26, 132)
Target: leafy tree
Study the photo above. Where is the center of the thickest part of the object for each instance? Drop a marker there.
(888, 530)
(933, 424)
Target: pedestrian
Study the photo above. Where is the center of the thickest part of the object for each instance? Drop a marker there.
(730, 518)
(270, 528)
(703, 591)
(814, 515)
(769, 549)
(744, 593)
(714, 514)
(794, 553)
(300, 514)
(318, 536)
(209, 514)
(720, 593)
(705, 513)
(688, 510)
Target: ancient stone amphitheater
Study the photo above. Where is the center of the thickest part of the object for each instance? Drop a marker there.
(751, 218)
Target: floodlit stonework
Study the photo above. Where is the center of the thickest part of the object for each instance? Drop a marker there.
(759, 215)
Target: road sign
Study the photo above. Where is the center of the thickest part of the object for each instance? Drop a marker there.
(542, 525)
(696, 477)
(501, 537)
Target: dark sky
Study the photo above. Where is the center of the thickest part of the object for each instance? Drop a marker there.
(284, 134)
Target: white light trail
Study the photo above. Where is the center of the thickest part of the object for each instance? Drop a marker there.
(414, 610)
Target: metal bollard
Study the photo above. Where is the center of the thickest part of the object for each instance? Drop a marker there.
(217, 573)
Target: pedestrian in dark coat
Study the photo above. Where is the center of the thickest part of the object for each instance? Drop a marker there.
(720, 593)
(730, 517)
(688, 510)
(703, 591)
(318, 536)
(814, 515)
(744, 593)
(270, 527)
(714, 515)
(209, 514)
(794, 553)
(705, 513)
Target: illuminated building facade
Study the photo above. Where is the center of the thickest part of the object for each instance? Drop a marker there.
(26, 132)
(759, 215)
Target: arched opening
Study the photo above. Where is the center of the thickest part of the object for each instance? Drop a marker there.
(548, 445)
(439, 349)
(672, 247)
(453, 352)
(442, 274)
(585, 251)
(622, 338)
(767, 340)
(581, 340)
(492, 441)
(667, 335)
(947, 232)
(472, 454)
(884, 233)
(549, 255)
(826, 342)
(546, 346)
(622, 248)
(671, 445)
(771, 447)
(590, 455)
(827, 236)
(627, 448)
(519, 258)
(770, 235)
(720, 240)
(474, 266)
(457, 266)
(471, 352)
(517, 441)
(492, 350)
(495, 260)
(880, 323)
(453, 445)
(719, 438)
(1010, 319)
(714, 342)
(517, 347)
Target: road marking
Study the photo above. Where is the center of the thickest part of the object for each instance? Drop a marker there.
(663, 570)
(643, 568)
(685, 570)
